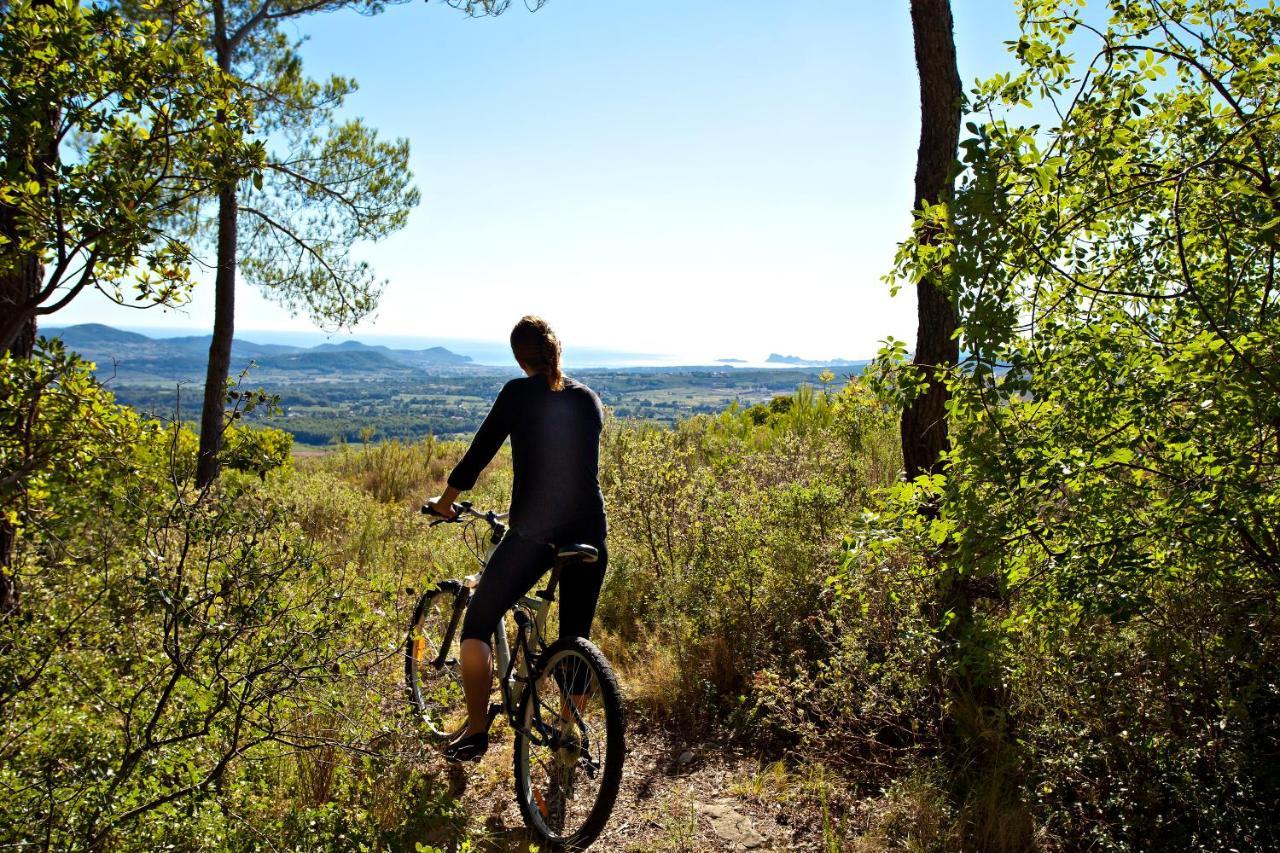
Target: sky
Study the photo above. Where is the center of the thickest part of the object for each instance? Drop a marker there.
(702, 179)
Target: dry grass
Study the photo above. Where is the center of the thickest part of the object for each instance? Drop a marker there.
(392, 471)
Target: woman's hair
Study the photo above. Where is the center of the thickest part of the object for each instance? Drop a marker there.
(535, 346)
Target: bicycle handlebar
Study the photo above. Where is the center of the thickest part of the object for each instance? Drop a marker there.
(462, 511)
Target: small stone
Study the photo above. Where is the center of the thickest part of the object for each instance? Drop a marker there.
(732, 826)
(685, 757)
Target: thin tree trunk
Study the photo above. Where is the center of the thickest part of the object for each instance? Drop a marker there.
(224, 305)
(981, 754)
(924, 422)
(224, 327)
(19, 284)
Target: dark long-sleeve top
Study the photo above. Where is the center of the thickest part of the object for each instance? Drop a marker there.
(555, 457)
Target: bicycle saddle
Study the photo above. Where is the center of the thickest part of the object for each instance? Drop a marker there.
(583, 553)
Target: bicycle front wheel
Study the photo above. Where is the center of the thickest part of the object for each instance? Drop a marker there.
(569, 748)
(433, 680)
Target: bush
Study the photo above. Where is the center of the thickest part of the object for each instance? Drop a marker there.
(256, 450)
(724, 532)
(201, 668)
(391, 470)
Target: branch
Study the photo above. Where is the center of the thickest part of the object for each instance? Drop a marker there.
(248, 26)
(301, 244)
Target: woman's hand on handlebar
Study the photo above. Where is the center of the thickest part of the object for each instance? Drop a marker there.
(447, 511)
(443, 506)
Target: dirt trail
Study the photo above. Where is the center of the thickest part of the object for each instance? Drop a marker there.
(674, 797)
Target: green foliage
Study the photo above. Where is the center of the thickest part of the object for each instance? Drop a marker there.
(324, 184)
(111, 126)
(256, 450)
(723, 533)
(60, 429)
(393, 470)
(1110, 504)
(183, 656)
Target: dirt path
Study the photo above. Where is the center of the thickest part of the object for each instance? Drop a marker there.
(674, 797)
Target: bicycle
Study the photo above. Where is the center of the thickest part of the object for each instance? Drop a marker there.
(565, 707)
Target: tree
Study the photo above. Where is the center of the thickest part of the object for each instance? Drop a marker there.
(108, 130)
(1120, 481)
(924, 420)
(977, 747)
(324, 185)
(108, 126)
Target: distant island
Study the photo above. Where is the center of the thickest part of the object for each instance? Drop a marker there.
(731, 361)
(797, 361)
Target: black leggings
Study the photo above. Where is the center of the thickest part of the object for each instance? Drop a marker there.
(514, 568)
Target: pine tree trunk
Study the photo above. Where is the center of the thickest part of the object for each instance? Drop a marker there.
(977, 744)
(224, 328)
(19, 285)
(924, 422)
(224, 306)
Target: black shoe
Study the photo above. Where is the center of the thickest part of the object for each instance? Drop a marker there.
(468, 747)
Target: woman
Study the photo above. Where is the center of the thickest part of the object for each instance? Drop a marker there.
(554, 424)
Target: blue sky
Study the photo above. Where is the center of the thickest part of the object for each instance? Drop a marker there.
(705, 179)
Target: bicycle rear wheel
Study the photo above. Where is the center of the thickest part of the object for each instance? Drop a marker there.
(434, 686)
(570, 746)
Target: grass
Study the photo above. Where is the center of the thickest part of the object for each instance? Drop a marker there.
(676, 819)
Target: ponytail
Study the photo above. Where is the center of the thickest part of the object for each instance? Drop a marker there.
(537, 347)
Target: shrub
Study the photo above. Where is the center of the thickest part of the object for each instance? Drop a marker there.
(723, 534)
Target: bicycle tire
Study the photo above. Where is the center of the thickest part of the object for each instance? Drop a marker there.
(583, 656)
(433, 692)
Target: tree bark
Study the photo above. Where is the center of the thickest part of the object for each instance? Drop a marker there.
(982, 756)
(224, 306)
(20, 282)
(924, 421)
(224, 327)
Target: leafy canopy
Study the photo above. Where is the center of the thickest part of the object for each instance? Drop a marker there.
(111, 125)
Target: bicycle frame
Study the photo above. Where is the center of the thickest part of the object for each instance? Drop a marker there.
(530, 613)
(511, 666)
(546, 711)
(510, 669)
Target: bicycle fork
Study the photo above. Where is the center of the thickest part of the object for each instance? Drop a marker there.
(461, 596)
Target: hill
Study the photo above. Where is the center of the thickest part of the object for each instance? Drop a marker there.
(138, 358)
(429, 357)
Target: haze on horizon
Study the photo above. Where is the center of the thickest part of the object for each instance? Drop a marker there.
(697, 180)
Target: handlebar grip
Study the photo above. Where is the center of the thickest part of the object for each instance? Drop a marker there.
(427, 509)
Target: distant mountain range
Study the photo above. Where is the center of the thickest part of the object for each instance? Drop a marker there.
(135, 356)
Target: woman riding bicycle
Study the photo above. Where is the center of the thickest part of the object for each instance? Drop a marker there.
(554, 424)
